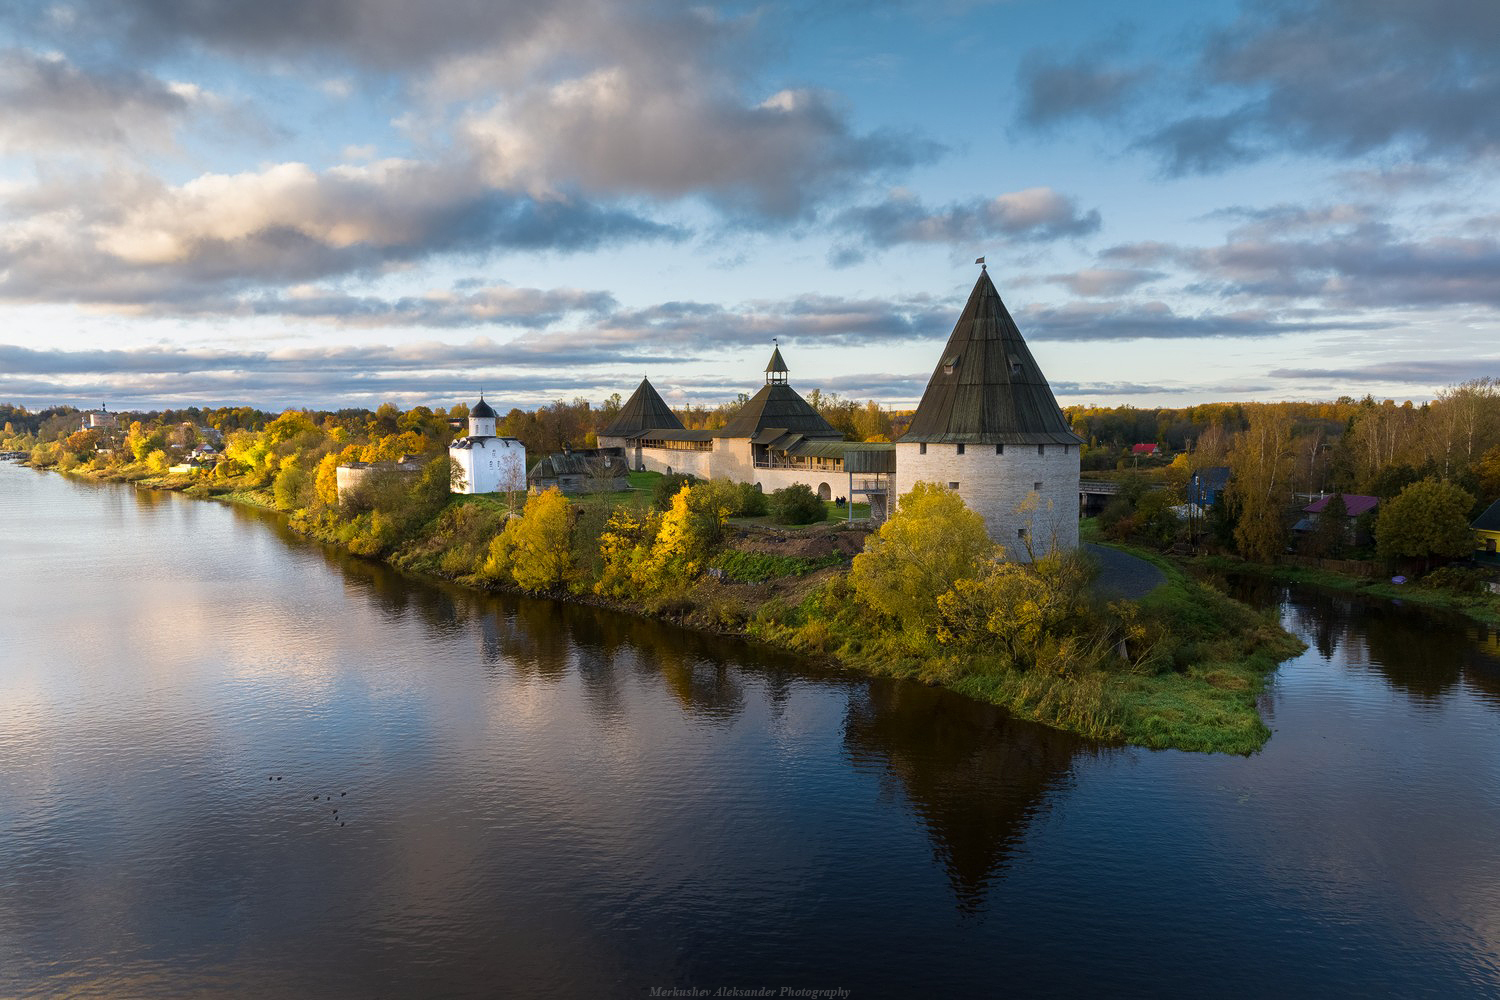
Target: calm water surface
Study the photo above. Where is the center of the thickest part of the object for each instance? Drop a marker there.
(541, 800)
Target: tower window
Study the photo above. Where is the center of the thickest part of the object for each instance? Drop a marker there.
(953, 486)
(1037, 487)
(1020, 532)
(999, 449)
(1041, 449)
(922, 448)
(960, 449)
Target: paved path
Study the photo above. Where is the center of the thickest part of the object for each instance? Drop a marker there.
(1122, 574)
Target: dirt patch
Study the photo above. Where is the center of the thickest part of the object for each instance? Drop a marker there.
(807, 543)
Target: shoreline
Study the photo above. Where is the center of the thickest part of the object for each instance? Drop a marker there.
(1221, 653)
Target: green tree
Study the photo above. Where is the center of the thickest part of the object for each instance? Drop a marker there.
(931, 541)
(1429, 519)
(1329, 535)
(796, 504)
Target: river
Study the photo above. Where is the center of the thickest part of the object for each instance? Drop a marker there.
(536, 799)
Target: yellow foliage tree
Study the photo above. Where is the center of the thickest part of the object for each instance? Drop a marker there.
(930, 542)
(688, 532)
(625, 550)
(326, 481)
(541, 554)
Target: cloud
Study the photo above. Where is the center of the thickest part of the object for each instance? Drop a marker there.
(1036, 214)
(50, 103)
(130, 239)
(621, 131)
(1345, 78)
(1096, 282)
(1053, 91)
(1407, 372)
(1088, 321)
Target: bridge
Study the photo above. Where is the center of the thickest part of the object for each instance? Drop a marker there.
(1094, 495)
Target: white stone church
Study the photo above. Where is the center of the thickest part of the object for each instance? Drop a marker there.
(490, 464)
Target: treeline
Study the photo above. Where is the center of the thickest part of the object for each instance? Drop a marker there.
(1434, 467)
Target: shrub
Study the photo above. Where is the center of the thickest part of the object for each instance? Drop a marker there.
(668, 487)
(796, 504)
(1456, 580)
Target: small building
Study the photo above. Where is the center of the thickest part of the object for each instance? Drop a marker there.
(1355, 504)
(593, 470)
(100, 419)
(490, 464)
(350, 477)
(1487, 534)
(1205, 486)
(1144, 450)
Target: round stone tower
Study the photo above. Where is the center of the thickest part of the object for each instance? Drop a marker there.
(989, 428)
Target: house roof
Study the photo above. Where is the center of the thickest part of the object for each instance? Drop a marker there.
(1215, 477)
(1143, 449)
(644, 410)
(1490, 519)
(1355, 504)
(777, 406)
(776, 364)
(575, 463)
(987, 387)
(482, 409)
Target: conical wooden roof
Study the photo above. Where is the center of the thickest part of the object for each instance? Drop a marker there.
(644, 410)
(776, 364)
(777, 406)
(987, 388)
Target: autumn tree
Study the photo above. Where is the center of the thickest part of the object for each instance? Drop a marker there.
(541, 552)
(1260, 483)
(930, 541)
(1429, 519)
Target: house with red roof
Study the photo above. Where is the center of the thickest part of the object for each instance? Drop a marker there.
(1355, 504)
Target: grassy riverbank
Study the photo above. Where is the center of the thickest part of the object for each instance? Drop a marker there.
(1180, 668)
(1482, 607)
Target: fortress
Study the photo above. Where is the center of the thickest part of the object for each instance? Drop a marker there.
(988, 428)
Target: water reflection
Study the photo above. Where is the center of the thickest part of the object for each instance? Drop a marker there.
(1426, 653)
(976, 776)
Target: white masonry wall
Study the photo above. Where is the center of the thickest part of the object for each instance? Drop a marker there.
(491, 465)
(1001, 489)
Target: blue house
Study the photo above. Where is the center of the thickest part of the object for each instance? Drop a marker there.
(1206, 484)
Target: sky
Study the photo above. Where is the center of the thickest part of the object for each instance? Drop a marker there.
(330, 203)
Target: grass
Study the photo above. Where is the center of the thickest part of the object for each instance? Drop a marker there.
(755, 567)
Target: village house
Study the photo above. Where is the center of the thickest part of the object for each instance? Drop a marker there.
(1205, 486)
(1487, 535)
(593, 470)
(1355, 504)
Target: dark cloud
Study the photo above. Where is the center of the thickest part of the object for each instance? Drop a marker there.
(1033, 215)
(807, 319)
(1080, 321)
(1053, 91)
(47, 102)
(1347, 78)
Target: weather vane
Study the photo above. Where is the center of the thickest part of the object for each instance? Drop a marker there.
(980, 262)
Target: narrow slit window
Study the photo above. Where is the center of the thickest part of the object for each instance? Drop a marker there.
(1041, 449)
(1037, 487)
(922, 448)
(960, 449)
(999, 449)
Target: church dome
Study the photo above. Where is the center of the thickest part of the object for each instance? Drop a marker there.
(482, 410)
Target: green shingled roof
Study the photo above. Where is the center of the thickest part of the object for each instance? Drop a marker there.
(987, 388)
(644, 410)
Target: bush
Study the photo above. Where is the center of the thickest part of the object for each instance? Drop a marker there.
(796, 504)
(669, 486)
(1456, 580)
